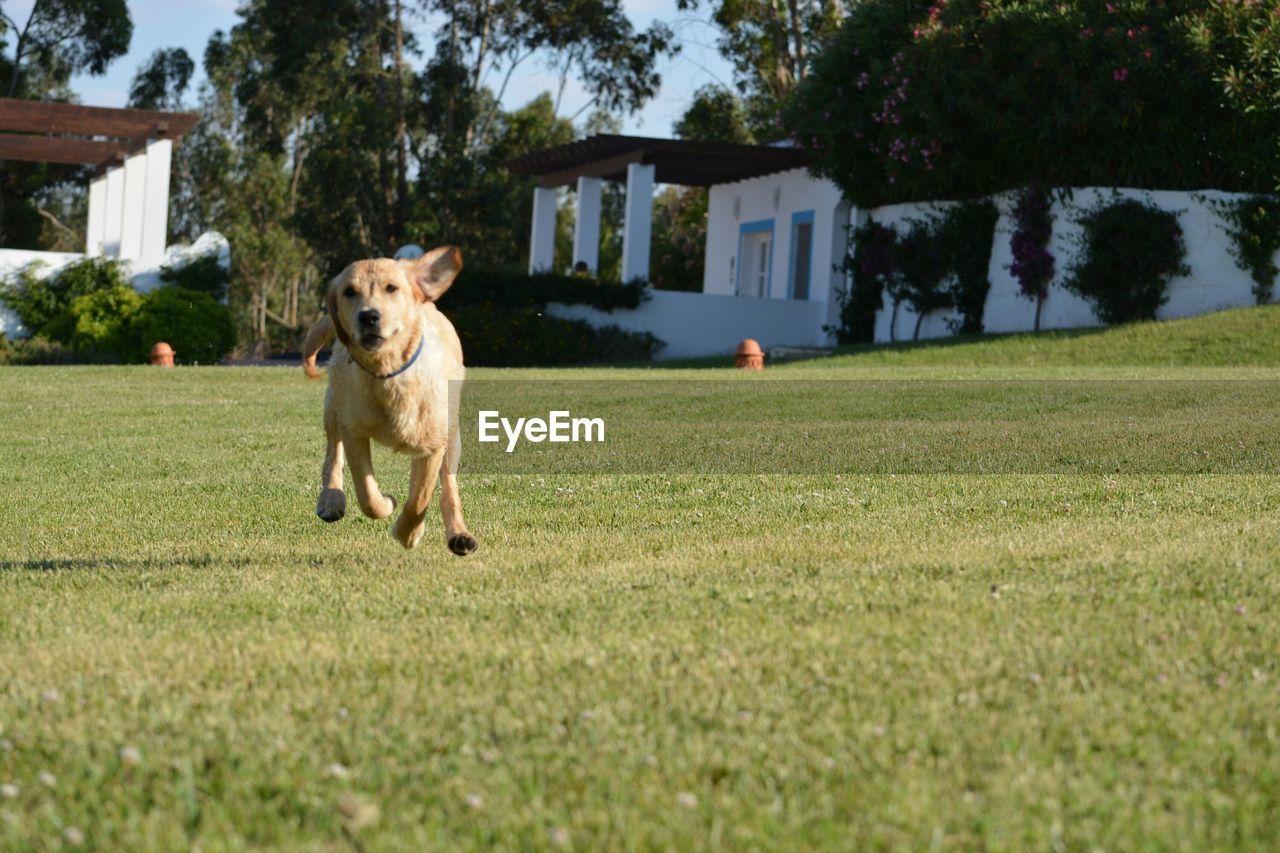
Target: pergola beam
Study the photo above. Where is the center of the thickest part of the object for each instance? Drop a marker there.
(51, 117)
(54, 149)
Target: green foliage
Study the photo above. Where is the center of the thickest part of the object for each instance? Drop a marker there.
(967, 233)
(204, 274)
(916, 101)
(870, 267)
(199, 328)
(1130, 251)
(63, 38)
(921, 265)
(1253, 224)
(102, 321)
(769, 45)
(716, 115)
(161, 80)
(39, 350)
(476, 285)
(41, 300)
(501, 320)
(679, 239)
(941, 262)
(524, 337)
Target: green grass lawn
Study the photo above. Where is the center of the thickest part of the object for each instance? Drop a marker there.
(1048, 656)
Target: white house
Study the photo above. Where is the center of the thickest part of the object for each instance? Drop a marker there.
(777, 238)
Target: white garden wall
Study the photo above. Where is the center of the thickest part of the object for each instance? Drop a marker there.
(1215, 282)
(700, 324)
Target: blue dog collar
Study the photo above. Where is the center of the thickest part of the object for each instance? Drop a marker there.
(421, 342)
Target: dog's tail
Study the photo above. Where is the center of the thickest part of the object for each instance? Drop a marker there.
(321, 333)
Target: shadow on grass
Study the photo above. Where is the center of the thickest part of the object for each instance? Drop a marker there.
(110, 563)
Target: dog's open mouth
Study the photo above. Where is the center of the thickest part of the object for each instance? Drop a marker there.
(371, 340)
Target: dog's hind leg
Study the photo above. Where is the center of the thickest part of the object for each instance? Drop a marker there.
(460, 540)
(373, 502)
(333, 502)
(422, 482)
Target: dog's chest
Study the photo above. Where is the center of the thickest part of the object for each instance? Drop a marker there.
(408, 420)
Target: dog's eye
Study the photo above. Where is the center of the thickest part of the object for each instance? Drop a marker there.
(391, 288)
(349, 292)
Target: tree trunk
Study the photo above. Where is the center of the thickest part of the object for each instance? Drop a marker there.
(797, 35)
(893, 322)
(1039, 305)
(402, 133)
(915, 336)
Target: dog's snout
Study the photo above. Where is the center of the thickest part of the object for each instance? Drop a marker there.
(369, 317)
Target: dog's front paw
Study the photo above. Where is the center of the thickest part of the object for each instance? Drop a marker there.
(407, 536)
(332, 505)
(463, 544)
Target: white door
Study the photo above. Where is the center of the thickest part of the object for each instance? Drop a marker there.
(754, 280)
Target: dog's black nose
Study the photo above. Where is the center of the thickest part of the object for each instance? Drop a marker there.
(369, 317)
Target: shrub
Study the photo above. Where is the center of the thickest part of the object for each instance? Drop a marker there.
(967, 233)
(518, 289)
(495, 336)
(37, 350)
(1253, 224)
(922, 266)
(916, 100)
(204, 275)
(1033, 265)
(869, 266)
(1130, 251)
(500, 317)
(199, 328)
(38, 301)
(99, 322)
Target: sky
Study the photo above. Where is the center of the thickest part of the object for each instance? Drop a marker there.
(189, 23)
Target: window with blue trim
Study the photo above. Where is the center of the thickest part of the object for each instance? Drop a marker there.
(800, 265)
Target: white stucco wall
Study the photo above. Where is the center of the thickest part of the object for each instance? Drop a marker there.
(700, 324)
(776, 198)
(1215, 282)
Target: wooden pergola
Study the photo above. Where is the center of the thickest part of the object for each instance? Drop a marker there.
(131, 152)
(640, 162)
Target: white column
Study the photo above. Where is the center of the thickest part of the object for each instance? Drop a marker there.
(114, 227)
(135, 194)
(155, 208)
(97, 231)
(586, 228)
(638, 225)
(542, 241)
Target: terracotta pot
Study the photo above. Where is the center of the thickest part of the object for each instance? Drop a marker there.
(162, 355)
(749, 355)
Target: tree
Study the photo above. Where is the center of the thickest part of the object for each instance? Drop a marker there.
(57, 39)
(63, 38)
(769, 43)
(716, 115)
(915, 101)
(162, 80)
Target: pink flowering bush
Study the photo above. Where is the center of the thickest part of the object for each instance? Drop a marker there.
(929, 99)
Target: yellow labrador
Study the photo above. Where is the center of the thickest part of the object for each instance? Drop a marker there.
(389, 381)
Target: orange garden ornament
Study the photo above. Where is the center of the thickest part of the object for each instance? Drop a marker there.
(162, 355)
(749, 355)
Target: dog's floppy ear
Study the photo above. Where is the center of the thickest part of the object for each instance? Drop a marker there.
(331, 302)
(434, 271)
